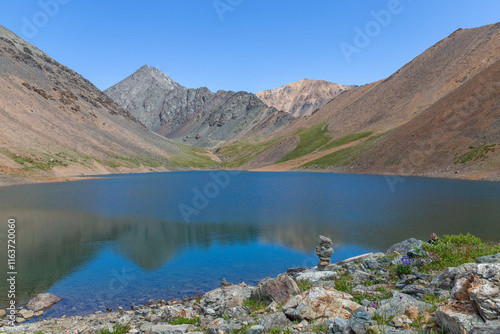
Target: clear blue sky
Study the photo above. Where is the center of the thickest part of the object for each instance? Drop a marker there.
(258, 44)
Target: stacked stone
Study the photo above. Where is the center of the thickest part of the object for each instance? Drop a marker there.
(324, 252)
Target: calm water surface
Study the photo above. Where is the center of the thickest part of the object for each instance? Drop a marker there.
(116, 241)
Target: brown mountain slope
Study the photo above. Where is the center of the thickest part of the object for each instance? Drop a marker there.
(387, 104)
(303, 97)
(55, 122)
(460, 133)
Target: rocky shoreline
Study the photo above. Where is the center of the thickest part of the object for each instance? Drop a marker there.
(393, 292)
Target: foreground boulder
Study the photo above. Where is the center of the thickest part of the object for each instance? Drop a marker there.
(475, 303)
(278, 289)
(320, 303)
(462, 318)
(43, 302)
(218, 301)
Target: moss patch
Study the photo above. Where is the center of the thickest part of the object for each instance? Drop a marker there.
(310, 140)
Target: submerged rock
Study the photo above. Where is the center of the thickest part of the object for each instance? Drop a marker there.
(43, 302)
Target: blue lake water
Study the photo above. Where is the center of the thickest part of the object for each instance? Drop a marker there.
(116, 241)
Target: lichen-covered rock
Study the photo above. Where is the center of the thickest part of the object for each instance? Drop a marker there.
(446, 279)
(315, 275)
(169, 329)
(178, 311)
(278, 289)
(217, 301)
(405, 246)
(459, 318)
(320, 303)
(484, 290)
(398, 303)
(275, 320)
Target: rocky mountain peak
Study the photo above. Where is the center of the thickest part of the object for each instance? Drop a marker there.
(303, 97)
(146, 74)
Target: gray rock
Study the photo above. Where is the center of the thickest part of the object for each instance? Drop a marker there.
(398, 303)
(330, 284)
(320, 303)
(278, 289)
(339, 324)
(463, 319)
(360, 322)
(371, 264)
(26, 314)
(350, 268)
(275, 320)
(440, 293)
(217, 301)
(43, 302)
(415, 290)
(489, 259)
(404, 246)
(169, 329)
(363, 258)
(292, 272)
(360, 277)
(314, 275)
(485, 290)
(446, 279)
(217, 329)
(256, 329)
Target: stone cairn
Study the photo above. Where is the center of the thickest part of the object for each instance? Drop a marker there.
(324, 252)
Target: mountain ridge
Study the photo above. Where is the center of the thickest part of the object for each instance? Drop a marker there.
(194, 116)
(304, 97)
(55, 123)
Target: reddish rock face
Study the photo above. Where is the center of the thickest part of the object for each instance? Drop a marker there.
(320, 303)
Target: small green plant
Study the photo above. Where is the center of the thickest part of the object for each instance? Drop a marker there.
(310, 140)
(117, 329)
(255, 304)
(381, 319)
(404, 266)
(454, 250)
(320, 328)
(343, 283)
(184, 321)
(275, 330)
(304, 285)
(476, 153)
